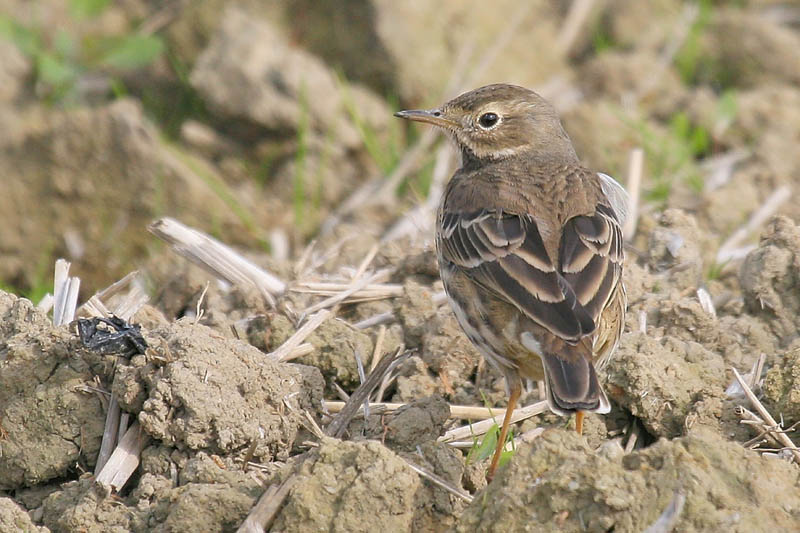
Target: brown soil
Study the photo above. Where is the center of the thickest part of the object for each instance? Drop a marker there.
(560, 484)
(293, 121)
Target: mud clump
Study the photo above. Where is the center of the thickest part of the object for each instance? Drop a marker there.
(415, 310)
(274, 80)
(420, 61)
(675, 245)
(435, 507)
(14, 518)
(409, 429)
(203, 392)
(772, 140)
(351, 486)
(750, 50)
(410, 432)
(83, 505)
(559, 484)
(336, 346)
(595, 128)
(770, 278)
(418, 422)
(782, 386)
(737, 338)
(205, 498)
(444, 350)
(618, 75)
(667, 383)
(109, 161)
(48, 424)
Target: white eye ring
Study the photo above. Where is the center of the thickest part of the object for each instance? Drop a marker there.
(489, 120)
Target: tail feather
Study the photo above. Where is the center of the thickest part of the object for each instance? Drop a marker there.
(573, 386)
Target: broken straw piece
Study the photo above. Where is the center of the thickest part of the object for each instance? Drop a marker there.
(216, 258)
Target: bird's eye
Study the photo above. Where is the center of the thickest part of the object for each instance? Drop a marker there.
(488, 120)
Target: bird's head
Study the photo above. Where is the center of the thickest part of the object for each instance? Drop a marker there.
(498, 121)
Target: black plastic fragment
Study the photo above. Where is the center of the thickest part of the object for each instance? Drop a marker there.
(111, 335)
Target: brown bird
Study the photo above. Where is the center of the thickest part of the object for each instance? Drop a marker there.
(530, 248)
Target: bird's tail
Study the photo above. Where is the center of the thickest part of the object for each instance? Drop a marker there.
(573, 386)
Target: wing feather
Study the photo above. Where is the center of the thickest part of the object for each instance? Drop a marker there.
(505, 253)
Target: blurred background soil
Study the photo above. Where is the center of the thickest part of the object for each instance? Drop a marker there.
(269, 126)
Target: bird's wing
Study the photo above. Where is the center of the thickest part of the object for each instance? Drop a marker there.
(590, 258)
(505, 254)
(617, 197)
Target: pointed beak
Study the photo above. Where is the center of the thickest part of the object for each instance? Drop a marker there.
(429, 116)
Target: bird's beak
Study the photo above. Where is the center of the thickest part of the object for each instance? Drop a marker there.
(430, 116)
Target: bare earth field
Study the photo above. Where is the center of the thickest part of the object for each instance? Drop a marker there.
(268, 126)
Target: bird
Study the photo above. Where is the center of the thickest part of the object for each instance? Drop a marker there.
(530, 248)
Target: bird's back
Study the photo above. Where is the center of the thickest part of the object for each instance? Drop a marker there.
(552, 192)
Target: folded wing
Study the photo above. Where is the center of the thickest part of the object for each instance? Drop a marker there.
(504, 253)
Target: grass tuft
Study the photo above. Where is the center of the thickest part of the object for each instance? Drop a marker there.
(62, 59)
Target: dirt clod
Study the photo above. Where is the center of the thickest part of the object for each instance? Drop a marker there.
(782, 386)
(661, 381)
(14, 518)
(208, 393)
(278, 87)
(205, 498)
(770, 279)
(675, 244)
(48, 424)
(418, 422)
(351, 486)
(435, 507)
(558, 483)
(415, 310)
(84, 505)
(336, 346)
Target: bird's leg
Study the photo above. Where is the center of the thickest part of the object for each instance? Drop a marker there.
(515, 387)
(579, 422)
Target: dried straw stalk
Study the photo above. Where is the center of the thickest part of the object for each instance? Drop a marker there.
(771, 424)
